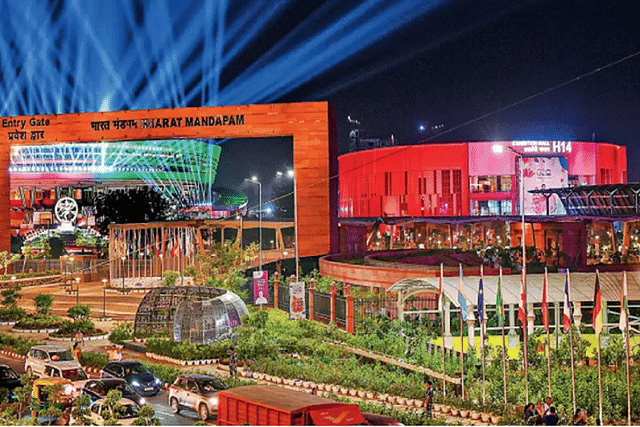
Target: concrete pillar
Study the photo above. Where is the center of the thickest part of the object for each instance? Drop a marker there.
(577, 314)
(276, 288)
(333, 292)
(512, 335)
(556, 321)
(348, 292)
(447, 339)
(400, 307)
(605, 318)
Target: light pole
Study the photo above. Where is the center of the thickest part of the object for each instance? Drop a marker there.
(104, 299)
(291, 174)
(525, 326)
(123, 258)
(254, 179)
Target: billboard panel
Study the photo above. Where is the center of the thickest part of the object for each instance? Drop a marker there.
(540, 173)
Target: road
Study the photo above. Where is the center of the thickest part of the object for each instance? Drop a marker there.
(159, 402)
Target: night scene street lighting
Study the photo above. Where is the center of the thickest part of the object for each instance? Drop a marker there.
(292, 175)
(254, 180)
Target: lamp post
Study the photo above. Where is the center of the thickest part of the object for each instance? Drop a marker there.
(525, 326)
(123, 258)
(291, 174)
(254, 179)
(77, 291)
(104, 299)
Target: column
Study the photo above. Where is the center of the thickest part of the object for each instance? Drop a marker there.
(577, 314)
(512, 335)
(348, 292)
(471, 321)
(531, 317)
(605, 318)
(333, 292)
(400, 307)
(276, 290)
(447, 340)
(312, 289)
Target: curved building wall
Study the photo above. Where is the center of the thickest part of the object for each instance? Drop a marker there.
(464, 178)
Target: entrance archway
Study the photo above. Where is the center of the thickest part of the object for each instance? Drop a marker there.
(312, 125)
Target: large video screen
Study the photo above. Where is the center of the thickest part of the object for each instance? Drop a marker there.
(543, 173)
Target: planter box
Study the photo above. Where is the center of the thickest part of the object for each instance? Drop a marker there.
(485, 417)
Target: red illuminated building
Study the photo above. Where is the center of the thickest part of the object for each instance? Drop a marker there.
(470, 178)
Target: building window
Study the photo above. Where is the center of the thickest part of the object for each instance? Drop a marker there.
(490, 184)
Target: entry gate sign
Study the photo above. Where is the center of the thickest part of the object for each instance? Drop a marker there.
(297, 301)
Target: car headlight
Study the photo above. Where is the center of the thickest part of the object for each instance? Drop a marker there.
(135, 383)
(158, 381)
(213, 400)
(142, 401)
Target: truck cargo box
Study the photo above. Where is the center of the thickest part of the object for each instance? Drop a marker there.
(265, 405)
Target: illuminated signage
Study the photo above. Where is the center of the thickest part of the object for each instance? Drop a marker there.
(542, 147)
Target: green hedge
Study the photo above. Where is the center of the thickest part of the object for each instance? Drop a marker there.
(18, 344)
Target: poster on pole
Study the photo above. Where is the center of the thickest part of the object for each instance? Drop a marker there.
(260, 287)
(297, 301)
(542, 173)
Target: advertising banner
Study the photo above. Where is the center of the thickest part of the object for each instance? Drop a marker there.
(297, 301)
(260, 287)
(543, 173)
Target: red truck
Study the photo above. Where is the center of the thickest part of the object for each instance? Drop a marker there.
(265, 405)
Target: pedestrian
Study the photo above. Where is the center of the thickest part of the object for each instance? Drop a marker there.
(551, 418)
(547, 404)
(118, 354)
(580, 418)
(531, 415)
(112, 353)
(232, 363)
(428, 398)
(75, 351)
(79, 338)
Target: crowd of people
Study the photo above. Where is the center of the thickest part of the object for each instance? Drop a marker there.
(546, 414)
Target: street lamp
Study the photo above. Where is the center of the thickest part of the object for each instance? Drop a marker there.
(525, 327)
(254, 179)
(104, 299)
(77, 291)
(123, 258)
(291, 174)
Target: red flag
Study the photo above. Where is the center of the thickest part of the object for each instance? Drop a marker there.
(597, 307)
(545, 306)
(523, 301)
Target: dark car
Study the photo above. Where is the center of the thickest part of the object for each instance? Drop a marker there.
(98, 389)
(134, 373)
(9, 379)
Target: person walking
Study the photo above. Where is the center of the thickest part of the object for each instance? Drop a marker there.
(233, 367)
(75, 352)
(79, 338)
(428, 398)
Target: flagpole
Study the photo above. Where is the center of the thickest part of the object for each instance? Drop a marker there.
(441, 301)
(504, 346)
(484, 388)
(628, 348)
(573, 370)
(462, 352)
(546, 308)
(524, 282)
(598, 298)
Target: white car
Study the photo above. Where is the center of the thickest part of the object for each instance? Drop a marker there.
(77, 376)
(196, 391)
(41, 356)
(126, 418)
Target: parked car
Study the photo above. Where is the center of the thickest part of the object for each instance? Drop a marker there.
(9, 379)
(128, 415)
(197, 392)
(134, 373)
(40, 356)
(98, 389)
(76, 375)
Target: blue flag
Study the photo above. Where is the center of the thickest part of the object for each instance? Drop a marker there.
(480, 302)
(462, 298)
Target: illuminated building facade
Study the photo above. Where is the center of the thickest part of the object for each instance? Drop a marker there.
(471, 178)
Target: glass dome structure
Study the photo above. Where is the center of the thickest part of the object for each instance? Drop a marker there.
(168, 309)
(210, 320)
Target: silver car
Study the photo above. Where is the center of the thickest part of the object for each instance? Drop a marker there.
(197, 392)
(41, 356)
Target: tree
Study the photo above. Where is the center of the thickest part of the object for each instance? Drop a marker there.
(130, 206)
(111, 409)
(146, 417)
(80, 410)
(10, 309)
(6, 259)
(43, 303)
(79, 311)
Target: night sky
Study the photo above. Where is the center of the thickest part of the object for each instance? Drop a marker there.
(467, 59)
(392, 65)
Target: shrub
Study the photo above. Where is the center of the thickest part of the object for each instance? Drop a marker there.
(18, 344)
(122, 332)
(79, 311)
(96, 360)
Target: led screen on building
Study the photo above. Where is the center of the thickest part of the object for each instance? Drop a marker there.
(541, 173)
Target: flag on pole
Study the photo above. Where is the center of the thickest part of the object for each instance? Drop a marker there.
(523, 301)
(597, 307)
(480, 299)
(440, 284)
(462, 298)
(624, 304)
(566, 313)
(545, 306)
(499, 305)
